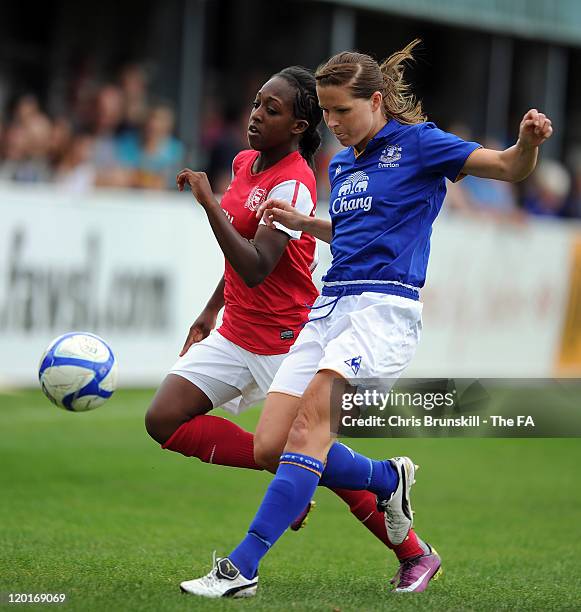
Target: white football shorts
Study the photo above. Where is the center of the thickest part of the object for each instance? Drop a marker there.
(366, 336)
(229, 375)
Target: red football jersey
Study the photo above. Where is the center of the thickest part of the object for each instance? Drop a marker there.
(267, 319)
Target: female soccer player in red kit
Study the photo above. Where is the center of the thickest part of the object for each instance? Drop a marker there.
(265, 289)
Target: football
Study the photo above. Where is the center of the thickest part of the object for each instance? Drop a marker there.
(78, 371)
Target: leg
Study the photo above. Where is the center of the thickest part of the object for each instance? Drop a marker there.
(300, 469)
(297, 476)
(278, 414)
(299, 473)
(177, 419)
(271, 434)
(209, 375)
(310, 433)
(177, 401)
(287, 388)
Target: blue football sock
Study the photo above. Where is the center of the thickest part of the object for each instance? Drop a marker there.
(290, 491)
(346, 469)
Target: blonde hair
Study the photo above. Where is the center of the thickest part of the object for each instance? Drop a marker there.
(364, 76)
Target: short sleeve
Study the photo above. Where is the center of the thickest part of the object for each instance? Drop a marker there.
(297, 194)
(443, 153)
(236, 163)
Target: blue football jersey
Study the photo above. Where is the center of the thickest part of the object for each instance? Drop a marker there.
(383, 204)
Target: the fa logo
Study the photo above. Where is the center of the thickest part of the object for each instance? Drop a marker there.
(338, 170)
(388, 157)
(354, 184)
(256, 197)
(354, 363)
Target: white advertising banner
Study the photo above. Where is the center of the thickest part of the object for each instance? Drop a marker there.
(137, 269)
(495, 298)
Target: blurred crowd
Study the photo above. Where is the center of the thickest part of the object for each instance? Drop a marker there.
(114, 135)
(552, 190)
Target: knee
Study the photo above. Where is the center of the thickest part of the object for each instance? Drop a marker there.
(298, 436)
(266, 454)
(157, 425)
(306, 421)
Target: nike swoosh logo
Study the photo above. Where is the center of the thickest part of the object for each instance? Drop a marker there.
(416, 584)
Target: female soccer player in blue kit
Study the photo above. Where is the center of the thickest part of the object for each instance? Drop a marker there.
(387, 187)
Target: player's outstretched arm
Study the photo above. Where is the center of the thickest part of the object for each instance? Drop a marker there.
(252, 260)
(517, 162)
(286, 214)
(206, 321)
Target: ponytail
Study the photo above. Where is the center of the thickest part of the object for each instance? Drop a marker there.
(306, 107)
(364, 76)
(398, 101)
(309, 145)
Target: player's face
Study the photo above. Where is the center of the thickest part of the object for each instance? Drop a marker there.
(351, 120)
(272, 122)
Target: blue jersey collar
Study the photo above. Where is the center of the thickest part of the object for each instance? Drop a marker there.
(385, 132)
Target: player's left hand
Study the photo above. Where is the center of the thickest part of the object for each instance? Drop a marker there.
(199, 184)
(535, 128)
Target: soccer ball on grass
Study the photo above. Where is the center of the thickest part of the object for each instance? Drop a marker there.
(78, 371)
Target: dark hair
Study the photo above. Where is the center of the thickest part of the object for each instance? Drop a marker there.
(364, 76)
(306, 106)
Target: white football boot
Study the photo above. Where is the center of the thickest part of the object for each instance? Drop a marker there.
(399, 517)
(225, 580)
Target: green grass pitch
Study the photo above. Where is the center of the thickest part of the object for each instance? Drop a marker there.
(91, 507)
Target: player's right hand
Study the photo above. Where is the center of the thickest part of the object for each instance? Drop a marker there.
(284, 213)
(199, 330)
(199, 184)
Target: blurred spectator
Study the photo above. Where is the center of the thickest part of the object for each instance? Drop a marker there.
(482, 197)
(212, 124)
(26, 144)
(82, 91)
(25, 109)
(133, 83)
(153, 157)
(548, 189)
(461, 130)
(75, 172)
(496, 200)
(232, 139)
(13, 152)
(489, 194)
(36, 167)
(2, 130)
(60, 140)
(107, 117)
(123, 143)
